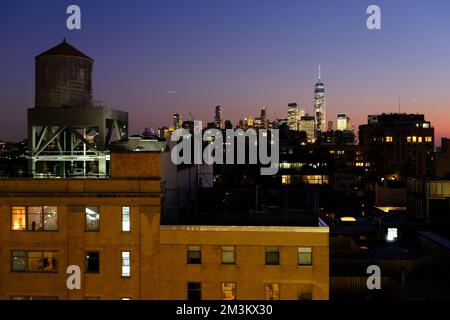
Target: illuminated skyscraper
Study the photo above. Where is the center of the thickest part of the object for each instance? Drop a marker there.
(330, 125)
(218, 117)
(293, 116)
(263, 117)
(319, 105)
(307, 124)
(177, 121)
(344, 123)
(250, 122)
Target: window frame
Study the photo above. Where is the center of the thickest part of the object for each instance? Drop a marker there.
(122, 265)
(85, 219)
(188, 251)
(122, 215)
(42, 213)
(265, 291)
(233, 290)
(266, 253)
(194, 290)
(86, 262)
(310, 254)
(27, 259)
(224, 251)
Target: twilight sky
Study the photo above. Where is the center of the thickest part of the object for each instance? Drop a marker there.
(238, 53)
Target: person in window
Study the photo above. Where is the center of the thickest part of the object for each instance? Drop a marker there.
(48, 265)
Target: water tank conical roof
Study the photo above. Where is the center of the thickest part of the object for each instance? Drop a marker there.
(64, 49)
(63, 78)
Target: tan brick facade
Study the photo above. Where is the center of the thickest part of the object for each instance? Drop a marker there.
(159, 268)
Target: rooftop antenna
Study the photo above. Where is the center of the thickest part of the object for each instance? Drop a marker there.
(319, 71)
(399, 103)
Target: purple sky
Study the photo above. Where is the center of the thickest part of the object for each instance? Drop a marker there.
(238, 53)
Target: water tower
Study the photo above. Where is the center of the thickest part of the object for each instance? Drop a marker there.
(69, 134)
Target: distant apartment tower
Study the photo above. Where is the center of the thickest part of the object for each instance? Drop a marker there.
(163, 132)
(263, 117)
(293, 116)
(401, 145)
(344, 123)
(442, 159)
(330, 125)
(319, 105)
(307, 124)
(218, 117)
(250, 121)
(177, 121)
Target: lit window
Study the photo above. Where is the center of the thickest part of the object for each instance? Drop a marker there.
(228, 255)
(392, 234)
(408, 139)
(194, 291)
(286, 179)
(304, 256)
(272, 256)
(126, 264)
(228, 291)
(18, 221)
(34, 261)
(92, 219)
(315, 179)
(272, 291)
(285, 165)
(414, 139)
(419, 139)
(428, 139)
(126, 223)
(50, 218)
(93, 262)
(389, 139)
(42, 218)
(34, 218)
(194, 255)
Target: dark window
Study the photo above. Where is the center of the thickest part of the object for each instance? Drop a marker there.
(194, 292)
(19, 261)
(305, 256)
(305, 296)
(272, 256)
(228, 255)
(194, 255)
(93, 261)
